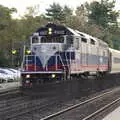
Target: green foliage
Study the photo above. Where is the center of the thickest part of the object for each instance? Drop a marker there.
(67, 11)
(5, 16)
(98, 19)
(102, 13)
(58, 14)
(116, 42)
(55, 12)
(4, 60)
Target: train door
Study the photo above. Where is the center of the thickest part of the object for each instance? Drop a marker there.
(84, 55)
(101, 53)
(77, 53)
(93, 55)
(109, 60)
(103, 56)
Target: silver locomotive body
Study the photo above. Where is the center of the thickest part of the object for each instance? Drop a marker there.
(58, 52)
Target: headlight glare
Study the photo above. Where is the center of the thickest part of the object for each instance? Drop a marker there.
(53, 75)
(27, 76)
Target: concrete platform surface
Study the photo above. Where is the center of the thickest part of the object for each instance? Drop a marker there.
(8, 86)
(115, 115)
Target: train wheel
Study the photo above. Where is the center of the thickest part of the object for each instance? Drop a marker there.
(85, 77)
(100, 75)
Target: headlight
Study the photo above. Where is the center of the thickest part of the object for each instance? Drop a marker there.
(27, 81)
(53, 75)
(27, 76)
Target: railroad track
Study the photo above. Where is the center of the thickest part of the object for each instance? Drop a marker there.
(73, 107)
(24, 107)
(9, 92)
(101, 109)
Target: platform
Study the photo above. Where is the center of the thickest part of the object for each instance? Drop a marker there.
(114, 115)
(8, 86)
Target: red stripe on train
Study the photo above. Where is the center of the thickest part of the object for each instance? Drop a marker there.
(74, 67)
(32, 67)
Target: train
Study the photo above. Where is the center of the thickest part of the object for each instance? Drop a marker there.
(59, 53)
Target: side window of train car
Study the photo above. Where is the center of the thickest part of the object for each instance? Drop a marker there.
(103, 53)
(76, 43)
(92, 41)
(116, 60)
(69, 40)
(84, 40)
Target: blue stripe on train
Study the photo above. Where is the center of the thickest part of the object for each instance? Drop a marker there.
(61, 58)
(32, 60)
(52, 61)
(86, 59)
(93, 59)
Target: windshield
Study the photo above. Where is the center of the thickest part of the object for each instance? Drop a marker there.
(52, 39)
(35, 39)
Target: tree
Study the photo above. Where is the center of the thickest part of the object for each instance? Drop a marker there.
(6, 23)
(102, 13)
(32, 11)
(81, 16)
(55, 12)
(67, 14)
(5, 16)
(67, 11)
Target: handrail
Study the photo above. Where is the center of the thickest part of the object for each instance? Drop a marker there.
(67, 60)
(62, 62)
(27, 60)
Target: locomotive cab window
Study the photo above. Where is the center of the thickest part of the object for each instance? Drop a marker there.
(52, 39)
(69, 40)
(35, 39)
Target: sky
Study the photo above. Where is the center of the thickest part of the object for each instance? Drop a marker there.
(43, 4)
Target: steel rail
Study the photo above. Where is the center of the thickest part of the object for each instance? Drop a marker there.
(101, 109)
(27, 109)
(77, 105)
(9, 91)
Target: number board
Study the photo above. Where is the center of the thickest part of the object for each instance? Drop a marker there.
(54, 32)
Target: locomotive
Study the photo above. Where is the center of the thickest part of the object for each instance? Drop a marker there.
(59, 53)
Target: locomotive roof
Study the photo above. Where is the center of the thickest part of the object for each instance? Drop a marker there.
(56, 30)
(91, 37)
(113, 50)
(62, 30)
